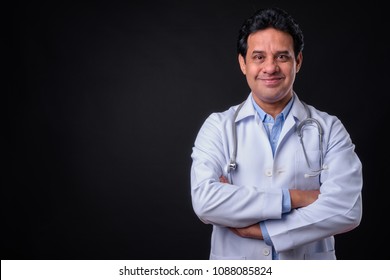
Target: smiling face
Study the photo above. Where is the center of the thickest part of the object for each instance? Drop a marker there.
(270, 68)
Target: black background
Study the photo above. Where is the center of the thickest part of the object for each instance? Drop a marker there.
(105, 100)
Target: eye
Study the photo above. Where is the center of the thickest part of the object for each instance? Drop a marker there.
(258, 57)
(283, 57)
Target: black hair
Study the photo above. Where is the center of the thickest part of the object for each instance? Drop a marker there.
(270, 17)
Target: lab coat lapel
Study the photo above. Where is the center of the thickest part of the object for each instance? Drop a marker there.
(248, 110)
(296, 115)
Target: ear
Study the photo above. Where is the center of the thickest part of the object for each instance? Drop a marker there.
(299, 61)
(241, 61)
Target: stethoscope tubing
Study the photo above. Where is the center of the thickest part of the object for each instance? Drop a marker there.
(232, 165)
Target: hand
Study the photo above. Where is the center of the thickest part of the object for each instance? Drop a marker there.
(302, 198)
(253, 231)
(223, 179)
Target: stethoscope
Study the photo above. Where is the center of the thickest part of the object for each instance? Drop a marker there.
(232, 165)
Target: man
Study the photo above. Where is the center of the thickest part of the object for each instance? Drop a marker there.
(275, 177)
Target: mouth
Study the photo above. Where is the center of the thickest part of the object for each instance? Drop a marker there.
(271, 81)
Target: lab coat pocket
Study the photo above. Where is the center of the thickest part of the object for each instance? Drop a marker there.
(306, 169)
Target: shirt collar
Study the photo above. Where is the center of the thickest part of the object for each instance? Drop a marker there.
(265, 117)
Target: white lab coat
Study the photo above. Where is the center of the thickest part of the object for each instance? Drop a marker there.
(256, 191)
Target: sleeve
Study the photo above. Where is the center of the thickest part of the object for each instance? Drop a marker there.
(339, 206)
(286, 208)
(286, 201)
(220, 203)
(265, 234)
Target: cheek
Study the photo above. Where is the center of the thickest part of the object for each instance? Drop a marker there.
(252, 70)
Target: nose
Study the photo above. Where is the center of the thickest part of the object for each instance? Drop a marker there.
(270, 66)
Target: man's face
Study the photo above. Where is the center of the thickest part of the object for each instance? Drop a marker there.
(270, 66)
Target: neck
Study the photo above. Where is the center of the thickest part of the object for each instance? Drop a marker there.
(273, 108)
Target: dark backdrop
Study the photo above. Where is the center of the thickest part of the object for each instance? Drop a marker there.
(105, 100)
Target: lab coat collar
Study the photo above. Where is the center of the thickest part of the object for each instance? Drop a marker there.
(246, 110)
(297, 112)
(296, 115)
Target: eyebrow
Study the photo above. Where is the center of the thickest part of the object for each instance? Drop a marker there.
(277, 53)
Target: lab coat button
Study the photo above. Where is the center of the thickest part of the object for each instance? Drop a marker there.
(266, 251)
(268, 172)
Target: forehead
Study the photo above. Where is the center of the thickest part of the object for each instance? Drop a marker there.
(270, 38)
